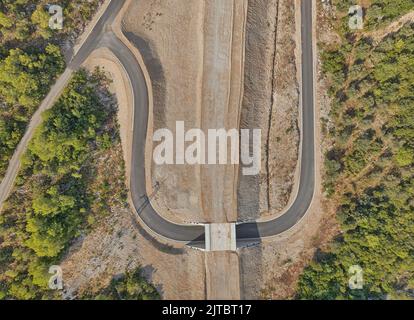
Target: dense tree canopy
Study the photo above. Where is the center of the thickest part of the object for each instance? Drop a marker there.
(369, 171)
(377, 13)
(56, 192)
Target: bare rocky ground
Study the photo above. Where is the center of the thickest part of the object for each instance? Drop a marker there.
(271, 103)
(119, 244)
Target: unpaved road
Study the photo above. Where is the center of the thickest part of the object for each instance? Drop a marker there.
(8, 181)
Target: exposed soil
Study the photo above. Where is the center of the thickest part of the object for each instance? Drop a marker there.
(222, 275)
(168, 34)
(271, 103)
(194, 54)
(271, 270)
(118, 242)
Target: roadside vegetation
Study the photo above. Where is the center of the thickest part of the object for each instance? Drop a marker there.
(377, 13)
(130, 286)
(30, 60)
(71, 175)
(369, 173)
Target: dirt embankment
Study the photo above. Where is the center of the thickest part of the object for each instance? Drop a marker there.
(271, 271)
(222, 275)
(194, 53)
(271, 103)
(168, 35)
(222, 91)
(118, 244)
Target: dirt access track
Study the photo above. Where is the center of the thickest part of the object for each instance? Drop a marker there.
(220, 97)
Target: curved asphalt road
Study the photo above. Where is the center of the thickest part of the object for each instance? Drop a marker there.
(245, 232)
(101, 36)
(255, 231)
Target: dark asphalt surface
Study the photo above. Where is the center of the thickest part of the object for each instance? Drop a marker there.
(102, 36)
(93, 40)
(146, 212)
(246, 233)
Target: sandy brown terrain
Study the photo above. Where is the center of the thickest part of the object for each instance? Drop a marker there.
(221, 99)
(194, 54)
(271, 271)
(222, 275)
(166, 35)
(119, 244)
(271, 103)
